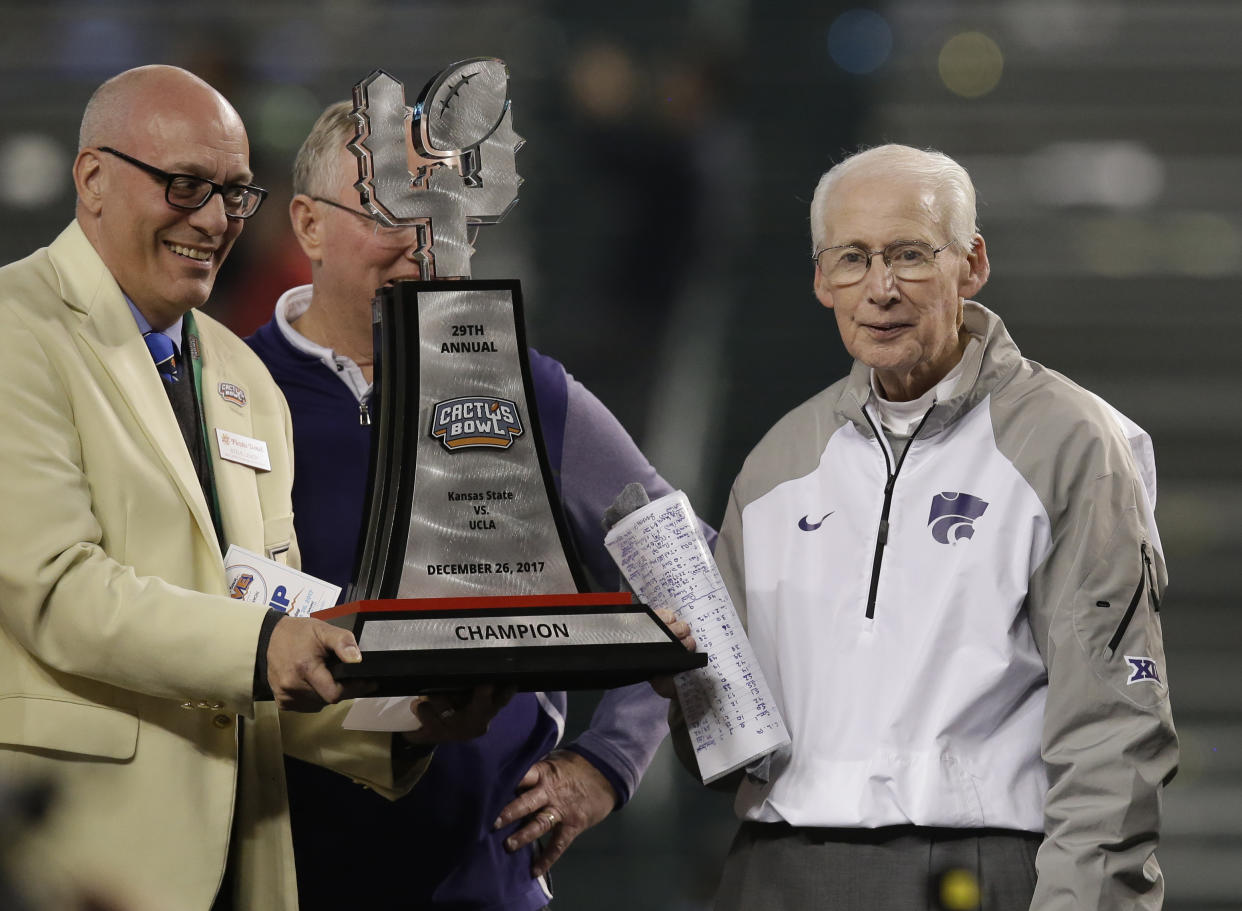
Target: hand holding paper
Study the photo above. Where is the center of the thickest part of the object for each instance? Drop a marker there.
(666, 685)
(729, 709)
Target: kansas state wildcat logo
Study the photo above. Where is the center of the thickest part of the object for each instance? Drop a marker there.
(953, 516)
(476, 420)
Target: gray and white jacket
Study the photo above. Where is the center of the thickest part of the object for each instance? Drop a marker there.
(964, 632)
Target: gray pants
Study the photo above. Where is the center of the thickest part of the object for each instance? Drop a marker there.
(777, 867)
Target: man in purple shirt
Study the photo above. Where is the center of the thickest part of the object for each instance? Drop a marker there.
(468, 841)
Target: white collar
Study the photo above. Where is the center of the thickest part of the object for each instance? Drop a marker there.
(292, 304)
(900, 418)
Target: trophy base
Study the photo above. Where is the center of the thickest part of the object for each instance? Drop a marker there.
(530, 642)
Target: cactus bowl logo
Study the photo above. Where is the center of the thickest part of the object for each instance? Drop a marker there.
(953, 516)
(231, 392)
(476, 420)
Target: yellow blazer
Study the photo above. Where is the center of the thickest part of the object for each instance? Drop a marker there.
(123, 664)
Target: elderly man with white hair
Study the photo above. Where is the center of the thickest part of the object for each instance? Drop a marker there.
(949, 568)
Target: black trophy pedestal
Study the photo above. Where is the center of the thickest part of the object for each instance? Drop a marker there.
(531, 642)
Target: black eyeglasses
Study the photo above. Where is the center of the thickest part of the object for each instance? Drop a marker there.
(391, 235)
(185, 191)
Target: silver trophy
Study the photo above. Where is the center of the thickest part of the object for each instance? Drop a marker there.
(461, 134)
(467, 571)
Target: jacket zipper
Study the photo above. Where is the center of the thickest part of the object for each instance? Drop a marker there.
(881, 539)
(364, 411)
(1151, 578)
(1114, 642)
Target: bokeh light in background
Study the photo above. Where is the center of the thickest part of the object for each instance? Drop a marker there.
(1051, 26)
(603, 82)
(860, 41)
(970, 64)
(284, 112)
(34, 170)
(1195, 244)
(1117, 175)
(1121, 246)
(1204, 244)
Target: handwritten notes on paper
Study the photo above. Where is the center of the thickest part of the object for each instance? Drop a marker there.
(728, 707)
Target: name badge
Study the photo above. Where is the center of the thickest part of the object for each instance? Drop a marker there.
(243, 450)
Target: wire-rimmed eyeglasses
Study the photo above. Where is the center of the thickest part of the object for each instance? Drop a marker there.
(846, 264)
(394, 235)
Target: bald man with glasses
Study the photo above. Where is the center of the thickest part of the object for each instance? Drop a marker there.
(128, 676)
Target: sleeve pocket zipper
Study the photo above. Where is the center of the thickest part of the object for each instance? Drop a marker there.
(1151, 578)
(1134, 600)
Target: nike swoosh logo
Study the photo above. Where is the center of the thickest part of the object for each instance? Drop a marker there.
(807, 526)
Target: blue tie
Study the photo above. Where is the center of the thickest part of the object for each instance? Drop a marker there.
(164, 353)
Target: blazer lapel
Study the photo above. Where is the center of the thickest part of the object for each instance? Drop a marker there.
(108, 329)
(226, 407)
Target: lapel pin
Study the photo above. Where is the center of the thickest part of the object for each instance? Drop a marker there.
(232, 393)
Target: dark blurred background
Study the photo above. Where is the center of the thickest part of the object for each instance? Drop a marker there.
(662, 242)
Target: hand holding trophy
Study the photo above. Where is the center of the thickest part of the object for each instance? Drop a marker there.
(467, 573)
